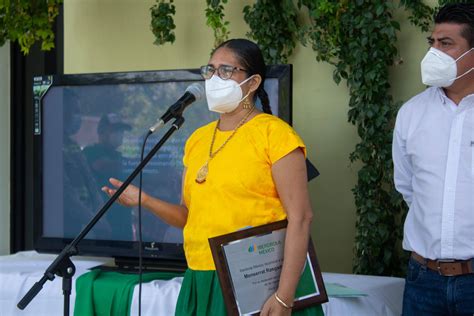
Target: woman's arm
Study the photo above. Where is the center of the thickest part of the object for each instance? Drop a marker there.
(289, 174)
(173, 214)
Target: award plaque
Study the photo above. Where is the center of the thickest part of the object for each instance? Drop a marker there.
(249, 262)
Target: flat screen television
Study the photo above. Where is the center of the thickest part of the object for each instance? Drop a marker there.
(89, 127)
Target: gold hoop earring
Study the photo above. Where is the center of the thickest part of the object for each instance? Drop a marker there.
(246, 104)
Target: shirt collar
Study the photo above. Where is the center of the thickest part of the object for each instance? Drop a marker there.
(466, 103)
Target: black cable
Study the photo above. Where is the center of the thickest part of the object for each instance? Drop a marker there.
(140, 239)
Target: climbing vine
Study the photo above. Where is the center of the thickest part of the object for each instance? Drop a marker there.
(26, 22)
(421, 14)
(359, 38)
(215, 20)
(162, 23)
(273, 25)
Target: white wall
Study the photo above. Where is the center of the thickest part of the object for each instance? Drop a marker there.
(5, 151)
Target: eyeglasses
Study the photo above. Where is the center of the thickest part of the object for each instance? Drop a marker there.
(223, 71)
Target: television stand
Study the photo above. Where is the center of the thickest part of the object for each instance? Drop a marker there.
(130, 265)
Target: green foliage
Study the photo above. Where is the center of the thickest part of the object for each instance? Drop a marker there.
(27, 21)
(162, 23)
(323, 31)
(421, 14)
(215, 20)
(274, 27)
(359, 38)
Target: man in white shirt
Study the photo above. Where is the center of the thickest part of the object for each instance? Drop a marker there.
(433, 155)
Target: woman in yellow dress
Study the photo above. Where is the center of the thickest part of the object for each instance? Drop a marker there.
(245, 169)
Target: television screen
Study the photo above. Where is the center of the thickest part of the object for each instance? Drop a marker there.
(90, 127)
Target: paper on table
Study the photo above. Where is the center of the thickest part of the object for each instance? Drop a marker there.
(339, 290)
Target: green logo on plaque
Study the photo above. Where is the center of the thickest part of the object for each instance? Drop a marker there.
(268, 247)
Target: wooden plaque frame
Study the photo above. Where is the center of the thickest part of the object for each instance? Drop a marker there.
(220, 260)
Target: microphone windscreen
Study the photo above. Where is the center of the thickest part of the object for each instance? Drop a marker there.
(197, 90)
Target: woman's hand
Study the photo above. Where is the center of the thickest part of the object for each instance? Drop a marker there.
(272, 307)
(129, 197)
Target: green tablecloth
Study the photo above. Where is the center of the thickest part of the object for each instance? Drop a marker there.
(110, 293)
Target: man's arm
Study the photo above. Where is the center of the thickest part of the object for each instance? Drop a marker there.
(403, 171)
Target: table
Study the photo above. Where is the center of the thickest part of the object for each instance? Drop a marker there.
(18, 273)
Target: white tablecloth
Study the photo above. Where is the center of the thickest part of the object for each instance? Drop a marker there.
(20, 271)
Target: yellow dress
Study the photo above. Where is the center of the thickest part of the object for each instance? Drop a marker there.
(239, 190)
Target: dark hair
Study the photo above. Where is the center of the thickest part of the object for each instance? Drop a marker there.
(458, 13)
(250, 56)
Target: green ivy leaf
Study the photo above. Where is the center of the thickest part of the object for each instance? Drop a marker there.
(26, 22)
(162, 23)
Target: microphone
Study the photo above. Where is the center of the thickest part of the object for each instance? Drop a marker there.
(193, 93)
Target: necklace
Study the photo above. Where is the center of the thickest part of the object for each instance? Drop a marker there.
(204, 170)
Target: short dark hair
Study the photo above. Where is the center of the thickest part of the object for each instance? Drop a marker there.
(458, 13)
(251, 58)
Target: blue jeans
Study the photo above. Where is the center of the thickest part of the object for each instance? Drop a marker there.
(429, 293)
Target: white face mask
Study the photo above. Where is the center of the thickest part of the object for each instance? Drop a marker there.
(438, 69)
(223, 96)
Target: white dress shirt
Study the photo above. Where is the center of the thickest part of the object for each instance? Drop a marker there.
(433, 156)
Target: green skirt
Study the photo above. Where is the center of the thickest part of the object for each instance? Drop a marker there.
(201, 295)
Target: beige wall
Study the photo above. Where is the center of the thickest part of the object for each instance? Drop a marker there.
(114, 35)
(5, 151)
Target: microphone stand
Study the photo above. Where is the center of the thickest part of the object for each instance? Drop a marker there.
(62, 266)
